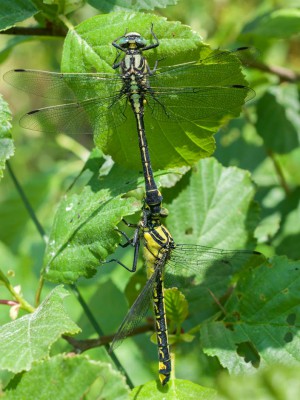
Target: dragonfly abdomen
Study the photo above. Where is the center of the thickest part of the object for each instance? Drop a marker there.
(164, 359)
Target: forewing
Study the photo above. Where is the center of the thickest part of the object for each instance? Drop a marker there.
(211, 268)
(67, 87)
(218, 68)
(200, 91)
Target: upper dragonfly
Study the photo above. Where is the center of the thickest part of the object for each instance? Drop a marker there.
(97, 102)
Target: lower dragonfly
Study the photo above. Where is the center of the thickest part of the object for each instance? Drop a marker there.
(176, 264)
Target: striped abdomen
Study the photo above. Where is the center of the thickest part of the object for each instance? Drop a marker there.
(164, 358)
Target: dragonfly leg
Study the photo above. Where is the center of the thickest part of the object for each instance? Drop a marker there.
(129, 241)
(152, 94)
(152, 71)
(120, 263)
(116, 64)
(135, 242)
(152, 45)
(116, 45)
(129, 224)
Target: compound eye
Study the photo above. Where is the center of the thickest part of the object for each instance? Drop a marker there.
(140, 42)
(123, 42)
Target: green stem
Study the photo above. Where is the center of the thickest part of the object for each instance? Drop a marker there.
(194, 330)
(31, 213)
(279, 172)
(66, 22)
(23, 303)
(26, 203)
(172, 354)
(39, 291)
(99, 331)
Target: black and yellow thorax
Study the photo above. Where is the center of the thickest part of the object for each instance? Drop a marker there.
(158, 242)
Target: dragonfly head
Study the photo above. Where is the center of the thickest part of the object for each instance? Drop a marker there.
(132, 40)
(152, 206)
(153, 201)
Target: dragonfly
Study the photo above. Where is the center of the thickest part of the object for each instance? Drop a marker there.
(98, 102)
(169, 264)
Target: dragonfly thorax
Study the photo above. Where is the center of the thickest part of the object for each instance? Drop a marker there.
(158, 243)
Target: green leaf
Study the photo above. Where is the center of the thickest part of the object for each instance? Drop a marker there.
(214, 207)
(15, 11)
(63, 378)
(83, 232)
(127, 5)
(6, 143)
(282, 23)
(30, 337)
(261, 320)
(267, 228)
(176, 389)
(177, 307)
(66, 6)
(278, 120)
(86, 50)
(184, 337)
(276, 382)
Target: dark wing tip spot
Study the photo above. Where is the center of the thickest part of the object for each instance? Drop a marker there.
(239, 86)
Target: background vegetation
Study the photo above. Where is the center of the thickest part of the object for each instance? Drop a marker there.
(214, 203)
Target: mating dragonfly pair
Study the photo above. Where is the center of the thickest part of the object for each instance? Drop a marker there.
(177, 93)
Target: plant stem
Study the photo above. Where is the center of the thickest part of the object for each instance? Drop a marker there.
(284, 74)
(99, 331)
(26, 203)
(86, 309)
(39, 291)
(34, 31)
(279, 172)
(36, 222)
(172, 353)
(66, 22)
(20, 300)
(87, 344)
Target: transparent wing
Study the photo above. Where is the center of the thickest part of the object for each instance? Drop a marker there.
(77, 118)
(197, 103)
(204, 90)
(221, 67)
(68, 86)
(211, 268)
(137, 311)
